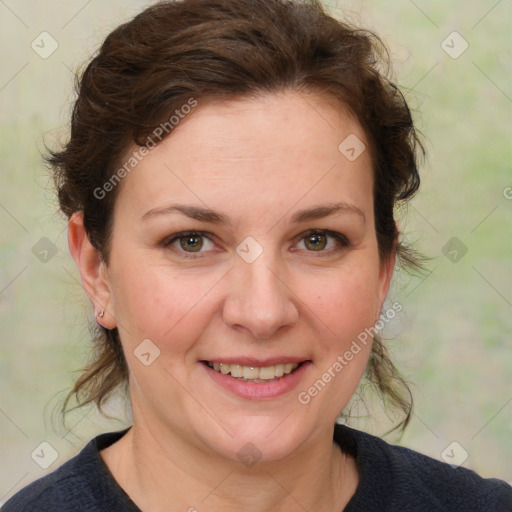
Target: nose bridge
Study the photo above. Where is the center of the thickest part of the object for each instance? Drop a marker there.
(258, 299)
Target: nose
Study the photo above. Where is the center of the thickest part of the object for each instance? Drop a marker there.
(259, 300)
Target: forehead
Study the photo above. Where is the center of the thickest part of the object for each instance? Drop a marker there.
(265, 151)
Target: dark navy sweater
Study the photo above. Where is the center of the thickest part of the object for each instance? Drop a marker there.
(391, 479)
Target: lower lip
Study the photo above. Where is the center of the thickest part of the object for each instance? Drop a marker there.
(259, 391)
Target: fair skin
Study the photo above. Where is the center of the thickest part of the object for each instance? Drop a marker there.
(258, 161)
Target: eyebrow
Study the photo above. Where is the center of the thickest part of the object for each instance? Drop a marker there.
(208, 215)
(194, 212)
(319, 212)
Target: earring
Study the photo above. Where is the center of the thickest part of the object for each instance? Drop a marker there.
(101, 313)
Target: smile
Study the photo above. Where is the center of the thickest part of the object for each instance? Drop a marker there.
(253, 373)
(261, 381)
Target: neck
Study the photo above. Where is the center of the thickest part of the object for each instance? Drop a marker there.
(159, 469)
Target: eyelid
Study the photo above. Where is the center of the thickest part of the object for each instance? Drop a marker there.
(182, 234)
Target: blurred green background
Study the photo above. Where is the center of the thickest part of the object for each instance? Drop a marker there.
(453, 340)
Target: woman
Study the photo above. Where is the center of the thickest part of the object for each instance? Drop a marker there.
(230, 182)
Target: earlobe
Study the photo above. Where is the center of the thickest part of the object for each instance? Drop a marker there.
(93, 271)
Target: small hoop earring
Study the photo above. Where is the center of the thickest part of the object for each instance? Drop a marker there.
(101, 313)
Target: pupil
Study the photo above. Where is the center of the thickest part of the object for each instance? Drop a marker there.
(191, 242)
(317, 241)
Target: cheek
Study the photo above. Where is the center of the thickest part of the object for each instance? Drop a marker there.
(158, 304)
(345, 303)
(341, 308)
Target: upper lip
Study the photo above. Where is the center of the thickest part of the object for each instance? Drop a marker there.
(255, 362)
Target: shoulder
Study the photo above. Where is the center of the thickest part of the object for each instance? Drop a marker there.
(55, 491)
(407, 480)
(79, 484)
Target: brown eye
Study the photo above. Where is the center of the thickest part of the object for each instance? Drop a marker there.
(323, 242)
(191, 243)
(316, 241)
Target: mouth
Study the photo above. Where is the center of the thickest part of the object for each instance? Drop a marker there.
(258, 380)
(255, 374)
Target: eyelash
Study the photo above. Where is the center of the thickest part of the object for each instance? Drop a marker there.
(342, 240)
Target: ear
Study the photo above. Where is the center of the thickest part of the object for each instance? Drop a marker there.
(385, 274)
(92, 268)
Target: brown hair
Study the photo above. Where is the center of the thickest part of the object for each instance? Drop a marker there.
(148, 68)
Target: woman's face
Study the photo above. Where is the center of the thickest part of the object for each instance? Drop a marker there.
(251, 285)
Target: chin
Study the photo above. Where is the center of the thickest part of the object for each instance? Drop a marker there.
(259, 439)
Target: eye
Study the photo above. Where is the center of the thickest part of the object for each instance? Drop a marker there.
(193, 244)
(318, 240)
(189, 242)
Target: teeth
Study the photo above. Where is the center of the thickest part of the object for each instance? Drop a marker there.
(252, 372)
(268, 372)
(236, 371)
